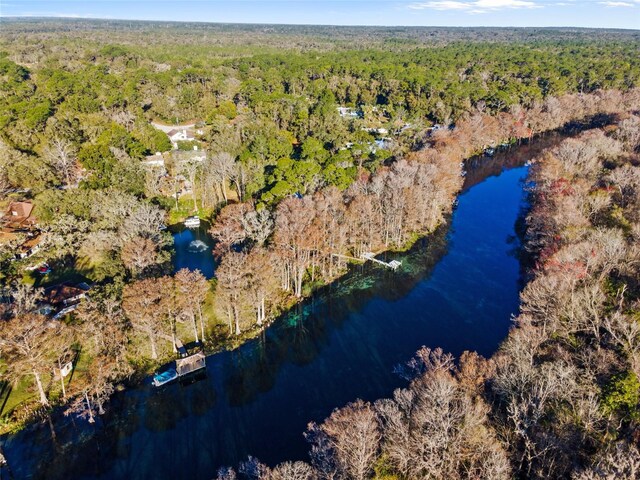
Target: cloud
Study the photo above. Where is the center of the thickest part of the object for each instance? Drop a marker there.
(616, 4)
(441, 5)
(473, 6)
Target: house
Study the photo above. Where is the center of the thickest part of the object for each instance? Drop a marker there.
(62, 299)
(348, 112)
(19, 216)
(19, 224)
(156, 160)
(30, 246)
(64, 295)
(180, 135)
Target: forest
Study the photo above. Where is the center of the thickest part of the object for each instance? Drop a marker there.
(310, 147)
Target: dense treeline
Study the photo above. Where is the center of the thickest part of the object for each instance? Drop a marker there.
(561, 398)
(252, 37)
(566, 384)
(93, 91)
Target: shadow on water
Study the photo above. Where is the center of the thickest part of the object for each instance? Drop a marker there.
(455, 289)
(301, 335)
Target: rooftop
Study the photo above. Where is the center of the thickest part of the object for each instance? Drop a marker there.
(19, 215)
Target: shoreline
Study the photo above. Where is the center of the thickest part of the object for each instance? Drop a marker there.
(234, 342)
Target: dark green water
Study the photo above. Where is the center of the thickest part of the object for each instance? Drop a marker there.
(456, 290)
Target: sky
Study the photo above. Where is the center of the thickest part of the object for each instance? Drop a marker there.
(519, 13)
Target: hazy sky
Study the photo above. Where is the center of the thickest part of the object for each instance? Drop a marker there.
(581, 13)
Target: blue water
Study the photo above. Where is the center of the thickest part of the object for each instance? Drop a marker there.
(194, 250)
(456, 290)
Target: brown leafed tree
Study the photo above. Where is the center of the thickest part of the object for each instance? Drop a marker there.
(192, 288)
(228, 229)
(142, 303)
(231, 293)
(30, 344)
(139, 253)
(352, 435)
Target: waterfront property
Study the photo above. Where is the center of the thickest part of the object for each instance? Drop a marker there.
(457, 292)
(184, 366)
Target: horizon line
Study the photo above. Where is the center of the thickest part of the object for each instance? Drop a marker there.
(76, 18)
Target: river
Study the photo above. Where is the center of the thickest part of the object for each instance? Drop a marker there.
(456, 289)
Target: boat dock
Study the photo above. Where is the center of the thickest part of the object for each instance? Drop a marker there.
(393, 264)
(184, 366)
(190, 364)
(192, 222)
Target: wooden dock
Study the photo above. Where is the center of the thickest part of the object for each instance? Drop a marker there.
(393, 264)
(190, 364)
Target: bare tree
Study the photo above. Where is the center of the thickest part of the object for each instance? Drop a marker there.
(231, 290)
(354, 436)
(25, 299)
(61, 155)
(30, 344)
(191, 168)
(292, 471)
(621, 461)
(258, 224)
(141, 302)
(223, 164)
(192, 288)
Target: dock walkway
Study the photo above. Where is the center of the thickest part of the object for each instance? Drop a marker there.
(393, 264)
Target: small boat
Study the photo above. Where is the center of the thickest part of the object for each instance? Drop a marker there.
(162, 378)
(193, 221)
(489, 152)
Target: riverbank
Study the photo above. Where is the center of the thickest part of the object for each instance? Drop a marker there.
(477, 168)
(310, 235)
(457, 289)
(576, 337)
(256, 366)
(568, 371)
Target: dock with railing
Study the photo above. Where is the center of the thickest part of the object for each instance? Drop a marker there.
(393, 264)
